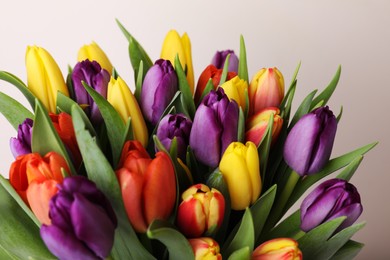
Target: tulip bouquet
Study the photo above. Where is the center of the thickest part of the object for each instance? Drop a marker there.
(173, 170)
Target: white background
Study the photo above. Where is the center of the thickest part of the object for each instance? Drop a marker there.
(321, 34)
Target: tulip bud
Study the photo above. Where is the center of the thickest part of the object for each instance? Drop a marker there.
(266, 90)
(82, 221)
(215, 126)
(210, 72)
(158, 89)
(237, 90)
(278, 248)
(205, 248)
(309, 144)
(93, 52)
(240, 168)
(35, 179)
(220, 58)
(148, 185)
(258, 123)
(331, 199)
(21, 144)
(202, 210)
(121, 98)
(175, 126)
(175, 45)
(44, 77)
(97, 78)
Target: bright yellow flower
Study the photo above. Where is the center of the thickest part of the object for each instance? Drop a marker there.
(236, 89)
(94, 52)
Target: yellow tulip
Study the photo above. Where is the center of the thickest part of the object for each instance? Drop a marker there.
(44, 77)
(236, 89)
(174, 44)
(94, 52)
(240, 168)
(124, 102)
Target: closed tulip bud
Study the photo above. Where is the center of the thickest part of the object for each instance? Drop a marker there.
(175, 126)
(257, 125)
(148, 185)
(175, 45)
(309, 144)
(266, 90)
(82, 221)
(214, 127)
(210, 72)
(278, 248)
(205, 248)
(97, 78)
(44, 77)
(236, 89)
(220, 58)
(124, 102)
(93, 52)
(35, 179)
(202, 210)
(159, 87)
(21, 144)
(240, 168)
(331, 199)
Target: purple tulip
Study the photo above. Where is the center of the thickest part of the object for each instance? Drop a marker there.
(214, 127)
(220, 57)
(172, 126)
(309, 144)
(159, 87)
(21, 144)
(96, 77)
(331, 199)
(82, 221)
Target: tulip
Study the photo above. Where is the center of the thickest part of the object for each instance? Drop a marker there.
(210, 72)
(202, 210)
(21, 144)
(214, 127)
(237, 90)
(309, 144)
(44, 77)
(83, 221)
(278, 248)
(257, 125)
(175, 45)
(266, 90)
(92, 74)
(175, 126)
(205, 248)
(240, 168)
(331, 199)
(93, 52)
(220, 58)
(35, 179)
(148, 185)
(159, 87)
(124, 102)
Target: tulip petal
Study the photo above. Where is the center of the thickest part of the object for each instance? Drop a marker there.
(18, 147)
(191, 218)
(352, 212)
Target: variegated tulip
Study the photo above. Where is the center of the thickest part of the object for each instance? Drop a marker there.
(278, 248)
(205, 248)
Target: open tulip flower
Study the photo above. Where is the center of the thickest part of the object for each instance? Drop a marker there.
(93, 52)
(278, 249)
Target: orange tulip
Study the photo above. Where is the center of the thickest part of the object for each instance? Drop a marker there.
(35, 179)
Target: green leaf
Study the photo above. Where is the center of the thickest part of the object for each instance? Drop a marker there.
(328, 91)
(6, 76)
(285, 106)
(242, 63)
(340, 114)
(350, 169)
(139, 82)
(13, 111)
(241, 126)
(295, 75)
(207, 89)
(225, 70)
(178, 246)
(289, 227)
(264, 148)
(184, 88)
(241, 254)
(348, 251)
(303, 109)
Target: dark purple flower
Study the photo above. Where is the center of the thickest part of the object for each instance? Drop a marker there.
(214, 127)
(82, 221)
(96, 77)
(220, 57)
(309, 144)
(172, 126)
(332, 199)
(21, 144)
(159, 87)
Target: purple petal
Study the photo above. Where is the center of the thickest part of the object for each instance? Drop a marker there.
(18, 147)
(164, 93)
(352, 212)
(220, 57)
(229, 125)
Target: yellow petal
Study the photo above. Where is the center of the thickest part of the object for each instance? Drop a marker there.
(188, 54)
(253, 164)
(94, 52)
